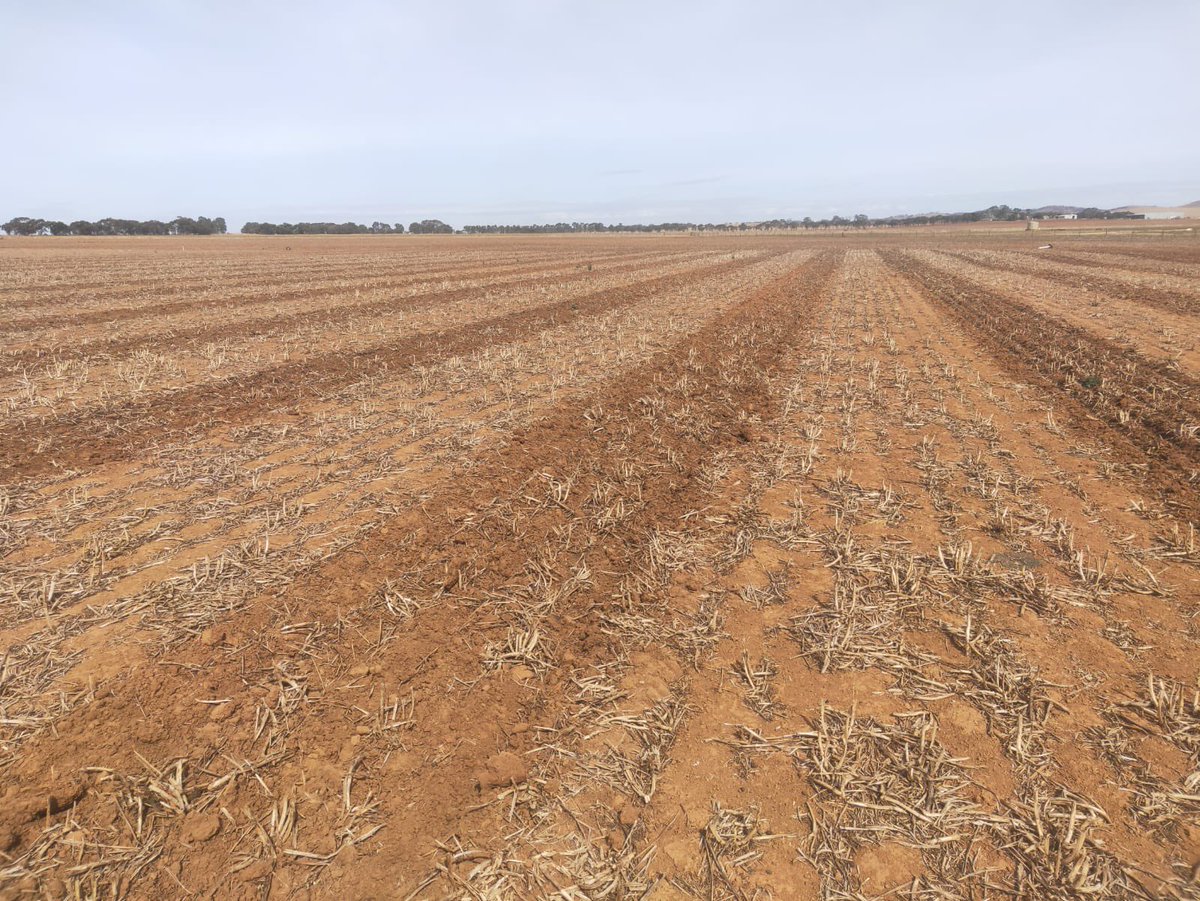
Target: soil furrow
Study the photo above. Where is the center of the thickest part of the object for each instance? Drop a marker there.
(1145, 410)
(472, 557)
(1187, 252)
(538, 272)
(104, 436)
(246, 326)
(261, 277)
(860, 570)
(1122, 262)
(1159, 298)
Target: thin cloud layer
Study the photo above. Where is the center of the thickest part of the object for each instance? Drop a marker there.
(539, 111)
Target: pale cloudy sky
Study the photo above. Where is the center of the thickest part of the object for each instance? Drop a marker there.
(534, 111)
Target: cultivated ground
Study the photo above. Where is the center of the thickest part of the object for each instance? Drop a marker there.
(600, 568)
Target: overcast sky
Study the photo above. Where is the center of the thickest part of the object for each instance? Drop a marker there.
(528, 111)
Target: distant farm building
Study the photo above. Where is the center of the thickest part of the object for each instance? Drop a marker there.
(1167, 213)
(1188, 211)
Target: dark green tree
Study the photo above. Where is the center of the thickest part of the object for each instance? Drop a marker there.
(430, 227)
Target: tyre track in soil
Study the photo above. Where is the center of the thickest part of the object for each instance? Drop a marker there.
(251, 279)
(1157, 402)
(565, 272)
(853, 689)
(324, 316)
(1176, 278)
(114, 628)
(106, 382)
(104, 436)
(1189, 255)
(119, 275)
(1097, 259)
(1143, 332)
(259, 277)
(463, 552)
(388, 431)
(1159, 298)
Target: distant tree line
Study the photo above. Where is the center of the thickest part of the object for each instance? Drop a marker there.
(181, 225)
(559, 228)
(999, 213)
(580, 227)
(321, 228)
(424, 227)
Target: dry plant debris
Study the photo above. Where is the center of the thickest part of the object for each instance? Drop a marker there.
(712, 567)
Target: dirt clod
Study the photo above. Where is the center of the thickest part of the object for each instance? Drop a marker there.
(503, 769)
(201, 828)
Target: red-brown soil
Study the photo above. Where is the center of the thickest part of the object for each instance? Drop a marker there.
(769, 566)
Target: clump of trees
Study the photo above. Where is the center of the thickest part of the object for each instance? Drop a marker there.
(181, 225)
(1093, 213)
(430, 227)
(321, 228)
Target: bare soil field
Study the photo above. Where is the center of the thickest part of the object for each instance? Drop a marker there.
(739, 567)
